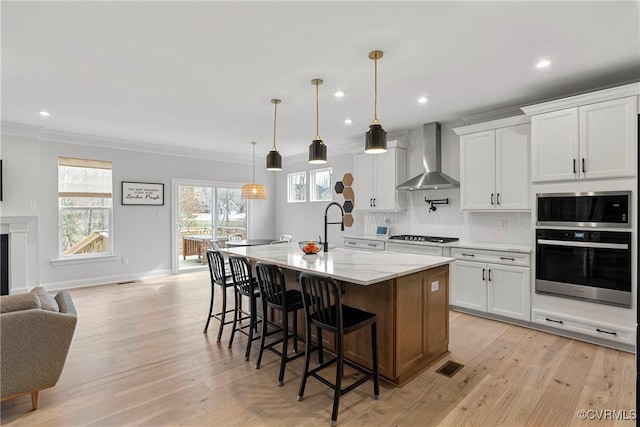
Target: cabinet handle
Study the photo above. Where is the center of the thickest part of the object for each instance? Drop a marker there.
(489, 277)
(374, 202)
(371, 202)
(498, 198)
(492, 198)
(372, 244)
(584, 168)
(554, 321)
(606, 332)
(483, 274)
(468, 255)
(351, 243)
(507, 258)
(574, 166)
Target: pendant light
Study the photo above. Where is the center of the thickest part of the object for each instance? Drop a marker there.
(253, 190)
(317, 149)
(274, 159)
(375, 141)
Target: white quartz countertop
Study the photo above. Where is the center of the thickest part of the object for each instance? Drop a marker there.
(359, 267)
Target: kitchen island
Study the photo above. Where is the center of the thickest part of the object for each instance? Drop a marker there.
(409, 293)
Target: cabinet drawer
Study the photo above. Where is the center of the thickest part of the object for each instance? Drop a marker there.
(496, 257)
(369, 245)
(584, 326)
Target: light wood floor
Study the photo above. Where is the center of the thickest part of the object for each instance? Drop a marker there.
(139, 357)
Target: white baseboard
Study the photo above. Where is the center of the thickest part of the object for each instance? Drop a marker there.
(104, 280)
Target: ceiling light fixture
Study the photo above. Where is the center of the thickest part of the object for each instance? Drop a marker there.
(44, 113)
(253, 190)
(423, 100)
(274, 159)
(543, 64)
(375, 140)
(348, 121)
(339, 94)
(317, 149)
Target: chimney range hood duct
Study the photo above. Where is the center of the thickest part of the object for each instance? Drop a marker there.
(432, 178)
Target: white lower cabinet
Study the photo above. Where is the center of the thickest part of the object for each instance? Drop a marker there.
(584, 326)
(501, 287)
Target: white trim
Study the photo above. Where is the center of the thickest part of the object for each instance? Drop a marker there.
(632, 89)
(492, 125)
(20, 129)
(289, 175)
(103, 280)
(88, 259)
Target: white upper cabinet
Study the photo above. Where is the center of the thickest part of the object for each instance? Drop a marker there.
(376, 177)
(589, 136)
(494, 165)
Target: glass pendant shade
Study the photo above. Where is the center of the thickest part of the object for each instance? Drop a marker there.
(317, 152)
(274, 161)
(375, 140)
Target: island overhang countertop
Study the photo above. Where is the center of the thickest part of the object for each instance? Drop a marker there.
(359, 267)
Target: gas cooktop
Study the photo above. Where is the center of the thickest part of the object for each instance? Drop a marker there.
(416, 238)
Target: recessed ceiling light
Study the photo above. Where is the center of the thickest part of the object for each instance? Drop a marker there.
(423, 100)
(44, 113)
(339, 94)
(543, 64)
(348, 121)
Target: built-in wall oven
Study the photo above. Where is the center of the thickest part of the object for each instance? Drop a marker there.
(585, 260)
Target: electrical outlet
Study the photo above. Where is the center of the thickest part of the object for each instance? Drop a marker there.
(435, 286)
(503, 224)
(125, 261)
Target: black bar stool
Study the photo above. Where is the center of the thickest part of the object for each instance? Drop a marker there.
(218, 278)
(276, 296)
(244, 285)
(324, 309)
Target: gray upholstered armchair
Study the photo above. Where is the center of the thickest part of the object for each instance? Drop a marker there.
(35, 335)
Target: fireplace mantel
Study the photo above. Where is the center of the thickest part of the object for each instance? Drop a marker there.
(18, 228)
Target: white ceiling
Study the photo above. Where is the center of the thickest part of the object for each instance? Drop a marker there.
(200, 75)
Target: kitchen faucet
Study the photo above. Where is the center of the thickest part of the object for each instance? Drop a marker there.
(326, 244)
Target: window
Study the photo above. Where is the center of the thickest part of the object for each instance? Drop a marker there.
(321, 185)
(297, 187)
(85, 206)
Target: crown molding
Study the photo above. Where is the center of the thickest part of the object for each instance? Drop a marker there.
(49, 135)
(20, 129)
(632, 89)
(494, 124)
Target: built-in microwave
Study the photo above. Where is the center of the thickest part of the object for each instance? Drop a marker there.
(592, 209)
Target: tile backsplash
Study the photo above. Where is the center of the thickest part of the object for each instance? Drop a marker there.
(449, 221)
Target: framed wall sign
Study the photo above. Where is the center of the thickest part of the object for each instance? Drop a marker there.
(142, 193)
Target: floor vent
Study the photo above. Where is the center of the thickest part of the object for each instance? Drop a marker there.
(449, 369)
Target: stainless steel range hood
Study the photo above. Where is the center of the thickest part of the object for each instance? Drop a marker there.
(432, 178)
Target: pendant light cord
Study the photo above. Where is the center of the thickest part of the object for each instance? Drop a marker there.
(317, 113)
(375, 92)
(275, 116)
(254, 161)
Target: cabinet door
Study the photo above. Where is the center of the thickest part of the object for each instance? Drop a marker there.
(384, 169)
(468, 289)
(554, 142)
(513, 178)
(508, 292)
(363, 185)
(477, 170)
(608, 138)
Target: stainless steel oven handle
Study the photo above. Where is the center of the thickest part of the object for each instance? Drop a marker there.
(584, 244)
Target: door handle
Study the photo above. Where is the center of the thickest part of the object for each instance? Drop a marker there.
(374, 202)
(606, 332)
(489, 275)
(371, 202)
(554, 321)
(498, 198)
(574, 166)
(492, 198)
(468, 255)
(483, 274)
(507, 258)
(584, 168)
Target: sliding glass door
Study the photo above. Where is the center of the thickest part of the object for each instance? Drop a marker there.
(204, 212)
